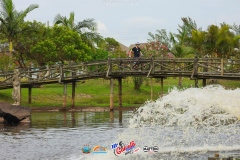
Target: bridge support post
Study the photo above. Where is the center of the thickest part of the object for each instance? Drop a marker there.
(204, 83)
(196, 83)
(151, 89)
(112, 116)
(73, 93)
(161, 85)
(111, 95)
(120, 92)
(64, 95)
(29, 94)
(222, 65)
(120, 116)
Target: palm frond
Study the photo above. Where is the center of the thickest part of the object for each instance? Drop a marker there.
(71, 20)
(87, 24)
(58, 19)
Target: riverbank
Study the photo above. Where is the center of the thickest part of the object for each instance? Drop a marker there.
(81, 109)
(95, 93)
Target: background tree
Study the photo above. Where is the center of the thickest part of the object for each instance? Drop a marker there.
(182, 41)
(161, 37)
(220, 41)
(35, 32)
(5, 62)
(61, 44)
(100, 54)
(86, 28)
(236, 29)
(198, 42)
(111, 45)
(137, 81)
(11, 20)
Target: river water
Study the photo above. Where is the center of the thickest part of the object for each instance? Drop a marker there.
(186, 124)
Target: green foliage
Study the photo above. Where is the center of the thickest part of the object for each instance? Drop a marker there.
(198, 42)
(220, 41)
(161, 37)
(111, 45)
(44, 52)
(138, 81)
(100, 54)
(34, 32)
(86, 28)
(6, 63)
(215, 42)
(60, 44)
(11, 19)
(182, 51)
(69, 44)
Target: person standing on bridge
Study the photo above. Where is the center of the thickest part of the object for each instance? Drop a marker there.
(137, 53)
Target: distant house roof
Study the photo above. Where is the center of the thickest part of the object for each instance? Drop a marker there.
(123, 47)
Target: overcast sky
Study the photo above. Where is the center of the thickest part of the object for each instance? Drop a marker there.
(129, 21)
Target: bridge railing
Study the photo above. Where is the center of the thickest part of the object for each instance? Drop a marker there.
(83, 70)
(6, 78)
(218, 67)
(231, 67)
(126, 67)
(173, 66)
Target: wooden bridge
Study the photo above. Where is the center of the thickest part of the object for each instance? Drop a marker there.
(118, 68)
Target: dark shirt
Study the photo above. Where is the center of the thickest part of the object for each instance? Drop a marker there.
(136, 51)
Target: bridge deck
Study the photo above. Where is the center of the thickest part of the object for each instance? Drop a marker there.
(124, 67)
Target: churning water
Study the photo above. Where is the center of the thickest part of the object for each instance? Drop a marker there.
(190, 124)
(193, 123)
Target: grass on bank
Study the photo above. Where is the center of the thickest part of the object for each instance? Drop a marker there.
(96, 92)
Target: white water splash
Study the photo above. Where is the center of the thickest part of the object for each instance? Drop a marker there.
(189, 124)
(209, 106)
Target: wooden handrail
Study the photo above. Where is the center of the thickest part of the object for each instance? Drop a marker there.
(122, 67)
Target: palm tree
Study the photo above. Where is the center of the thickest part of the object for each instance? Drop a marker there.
(181, 41)
(220, 41)
(11, 20)
(86, 28)
(197, 41)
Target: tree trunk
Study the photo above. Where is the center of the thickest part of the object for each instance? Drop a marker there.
(138, 81)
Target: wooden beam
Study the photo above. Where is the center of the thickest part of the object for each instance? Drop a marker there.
(162, 85)
(111, 95)
(196, 83)
(120, 92)
(204, 82)
(222, 67)
(73, 93)
(151, 89)
(64, 95)
(112, 116)
(30, 94)
(120, 116)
